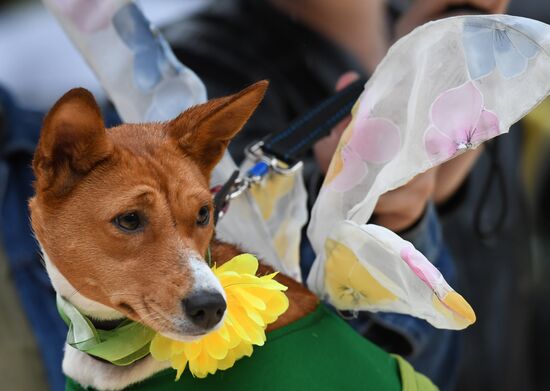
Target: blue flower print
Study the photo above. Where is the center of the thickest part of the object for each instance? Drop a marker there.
(153, 57)
(504, 42)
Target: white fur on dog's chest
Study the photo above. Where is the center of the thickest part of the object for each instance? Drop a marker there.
(102, 376)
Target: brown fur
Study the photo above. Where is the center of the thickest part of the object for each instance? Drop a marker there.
(87, 175)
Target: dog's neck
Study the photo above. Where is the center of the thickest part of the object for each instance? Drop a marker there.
(91, 372)
(63, 287)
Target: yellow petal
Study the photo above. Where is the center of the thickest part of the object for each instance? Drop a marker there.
(215, 346)
(253, 300)
(234, 338)
(179, 363)
(178, 347)
(277, 306)
(211, 364)
(228, 361)
(269, 283)
(161, 348)
(255, 317)
(192, 350)
(237, 318)
(241, 264)
(224, 333)
(203, 365)
(244, 349)
(230, 280)
(252, 333)
(196, 367)
(459, 306)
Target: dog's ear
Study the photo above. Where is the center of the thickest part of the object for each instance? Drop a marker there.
(204, 131)
(72, 141)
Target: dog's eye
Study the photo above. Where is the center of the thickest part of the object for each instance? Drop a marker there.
(128, 222)
(203, 218)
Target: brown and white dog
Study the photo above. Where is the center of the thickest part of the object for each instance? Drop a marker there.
(123, 217)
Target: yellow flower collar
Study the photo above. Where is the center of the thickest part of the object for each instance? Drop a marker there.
(252, 304)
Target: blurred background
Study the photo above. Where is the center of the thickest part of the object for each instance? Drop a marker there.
(496, 225)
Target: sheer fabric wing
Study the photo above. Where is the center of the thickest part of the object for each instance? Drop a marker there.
(445, 88)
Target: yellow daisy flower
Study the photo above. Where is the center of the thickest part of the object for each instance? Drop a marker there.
(252, 303)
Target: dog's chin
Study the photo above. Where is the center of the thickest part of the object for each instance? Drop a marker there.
(183, 337)
(191, 335)
(107, 324)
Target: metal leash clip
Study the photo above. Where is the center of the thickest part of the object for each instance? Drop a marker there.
(256, 153)
(237, 185)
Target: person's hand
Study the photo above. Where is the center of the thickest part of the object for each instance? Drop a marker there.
(401, 208)
(398, 209)
(422, 11)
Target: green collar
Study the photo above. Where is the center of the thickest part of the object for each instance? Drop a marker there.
(123, 345)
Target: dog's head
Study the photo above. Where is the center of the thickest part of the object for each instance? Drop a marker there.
(124, 215)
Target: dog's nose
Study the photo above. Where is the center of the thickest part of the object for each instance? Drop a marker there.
(205, 309)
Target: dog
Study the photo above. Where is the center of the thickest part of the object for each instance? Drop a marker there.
(123, 217)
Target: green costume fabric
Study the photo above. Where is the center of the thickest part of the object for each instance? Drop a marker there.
(311, 353)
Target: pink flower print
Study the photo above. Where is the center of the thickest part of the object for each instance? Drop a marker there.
(374, 140)
(88, 16)
(459, 121)
(353, 170)
(423, 268)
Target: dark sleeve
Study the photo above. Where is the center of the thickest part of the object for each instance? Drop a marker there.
(227, 67)
(220, 81)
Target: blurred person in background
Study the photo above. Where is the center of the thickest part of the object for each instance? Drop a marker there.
(536, 178)
(21, 365)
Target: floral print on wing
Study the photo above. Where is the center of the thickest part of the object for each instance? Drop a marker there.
(490, 43)
(88, 16)
(353, 170)
(459, 121)
(423, 268)
(445, 299)
(373, 140)
(153, 57)
(349, 284)
(376, 140)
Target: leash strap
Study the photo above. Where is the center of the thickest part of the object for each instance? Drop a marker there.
(281, 151)
(290, 144)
